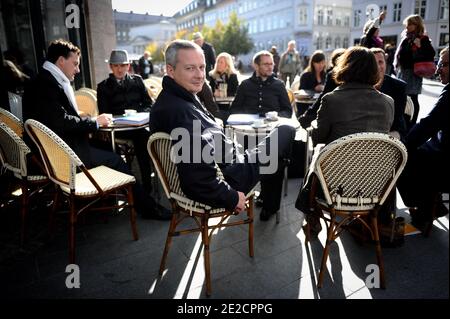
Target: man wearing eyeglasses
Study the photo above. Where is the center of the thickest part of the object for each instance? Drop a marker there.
(263, 92)
(427, 170)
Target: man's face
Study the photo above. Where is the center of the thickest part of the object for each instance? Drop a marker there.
(70, 66)
(189, 71)
(443, 68)
(119, 70)
(265, 67)
(381, 62)
(199, 41)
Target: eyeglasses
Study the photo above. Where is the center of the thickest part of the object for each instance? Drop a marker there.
(442, 65)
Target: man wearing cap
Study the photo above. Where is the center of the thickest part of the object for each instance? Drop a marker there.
(208, 50)
(121, 91)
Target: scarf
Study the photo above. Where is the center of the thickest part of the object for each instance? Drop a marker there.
(62, 79)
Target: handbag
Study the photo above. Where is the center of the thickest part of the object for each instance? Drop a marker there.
(424, 69)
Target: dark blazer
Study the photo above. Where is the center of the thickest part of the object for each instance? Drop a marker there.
(45, 101)
(353, 108)
(210, 56)
(176, 108)
(396, 89)
(231, 81)
(131, 94)
(434, 128)
(255, 96)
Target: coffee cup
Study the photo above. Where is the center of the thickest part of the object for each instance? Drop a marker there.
(272, 115)
(258, 123)
(129, 112)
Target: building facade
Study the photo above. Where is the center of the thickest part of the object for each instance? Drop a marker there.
(434, 12)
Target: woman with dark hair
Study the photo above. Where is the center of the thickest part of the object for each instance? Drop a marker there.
(355, 105)
(415, 46)
(313, 78)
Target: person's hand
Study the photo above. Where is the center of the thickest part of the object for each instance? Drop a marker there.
(319, 88)
(217, 93)
(417, 42)
(241, 202)
(382, 15)
(104, 119)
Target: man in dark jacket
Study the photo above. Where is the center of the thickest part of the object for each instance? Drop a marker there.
(208, 50)
(50, 100)
(427, 170)
(259, 94)
(178, 108)
(145, 65)
(122, 91)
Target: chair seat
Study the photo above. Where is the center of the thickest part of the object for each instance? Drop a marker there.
(106, 178)
(35, 178)
(198, 207)
(366, 205)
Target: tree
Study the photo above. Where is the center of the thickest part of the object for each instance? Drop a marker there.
(235, 39)
(157, 52)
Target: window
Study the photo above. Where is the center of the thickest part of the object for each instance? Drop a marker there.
(303, 15)
(338, 21)
(320, 17)
(356, 18)
(443, 10)
(443, 39)
(383, 8)
(337, 43)
(330, 17)
(345, 44)
(346, 21)
(419, 8)
(328, 43)
(397, 12)
(319, 43)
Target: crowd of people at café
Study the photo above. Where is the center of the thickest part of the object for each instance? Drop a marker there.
(357, 94)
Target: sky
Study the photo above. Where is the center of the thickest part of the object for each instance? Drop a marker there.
(157, 7)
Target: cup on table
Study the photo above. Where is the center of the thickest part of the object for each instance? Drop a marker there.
(129, 112)
(258, 123)
(272, 115)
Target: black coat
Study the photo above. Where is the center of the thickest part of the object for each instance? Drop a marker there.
(231, 81)
(176, 108)
(210, 56)
(396, 89)
(45, 101)
(114, 98)
(255, 96)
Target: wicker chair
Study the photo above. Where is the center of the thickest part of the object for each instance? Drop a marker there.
(159, 148)
(86, 89)
(86, 102)
(356, 173)
(13, 157)
(12, 121)
(93, 184)
(153, 86)
(15, 104)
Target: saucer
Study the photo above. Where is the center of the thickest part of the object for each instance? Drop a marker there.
(272, 119)
(260, 126)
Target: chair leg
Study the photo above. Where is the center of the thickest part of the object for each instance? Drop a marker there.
(376, 238)
(51, 219)
(172, 226)
(205, 240)
(24, 212)
(72, 222)
(130, 198)
(285, 181)
(250, 208)
(326, 250)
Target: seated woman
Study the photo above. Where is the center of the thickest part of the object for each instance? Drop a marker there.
(313, 78)
(224, 73)
(355, 106)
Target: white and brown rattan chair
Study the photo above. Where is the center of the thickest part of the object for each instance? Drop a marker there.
(160, 148)
(13, 157)
(356, 173)
(12, 121)
(86, 102)
(77, 182)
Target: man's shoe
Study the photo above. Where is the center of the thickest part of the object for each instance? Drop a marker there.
(157, 212)
(265, 214)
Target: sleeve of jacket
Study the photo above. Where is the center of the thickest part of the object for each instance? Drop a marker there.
(212, 84)
(102, 98)
(426, 49)
(399, 123)
(285, 105)
(232, 85)
(147, 101)
(199, 180)
(324, 116)
(431, 124)
(238, 103)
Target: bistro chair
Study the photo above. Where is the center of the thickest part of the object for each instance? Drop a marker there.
(15, 104)
(160, 150)
(86, 102)
(86, 89)
(13, 157)
(79, 184)
(356, 173)
(12, 121)
(153, 87)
